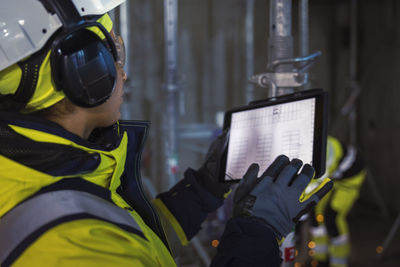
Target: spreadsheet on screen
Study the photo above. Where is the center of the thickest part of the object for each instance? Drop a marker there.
(260, 135)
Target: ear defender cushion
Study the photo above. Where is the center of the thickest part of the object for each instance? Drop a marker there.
(83, 68)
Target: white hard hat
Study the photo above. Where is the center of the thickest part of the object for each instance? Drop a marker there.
(26, 25)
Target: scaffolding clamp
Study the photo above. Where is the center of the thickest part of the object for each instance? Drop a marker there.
(280, 79)
(298, 77)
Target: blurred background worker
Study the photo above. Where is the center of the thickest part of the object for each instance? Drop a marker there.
(330, 230)
(70, 183)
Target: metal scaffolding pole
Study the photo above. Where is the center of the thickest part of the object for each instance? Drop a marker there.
(354, 85)
(353, 39)
(303, 28)
(124, 31)
(285, 72)
(280, 46)
(349, 108)
(304, 35)
(280, 41)
(171, 93)
(124, 25)
(249, 48)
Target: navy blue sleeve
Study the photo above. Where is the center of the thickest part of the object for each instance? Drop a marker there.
(247, 242)
(190, 203)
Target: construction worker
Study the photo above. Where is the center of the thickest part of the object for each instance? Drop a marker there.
(70, 188)
(330, 231)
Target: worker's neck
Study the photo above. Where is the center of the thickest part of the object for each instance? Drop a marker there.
(75, 123)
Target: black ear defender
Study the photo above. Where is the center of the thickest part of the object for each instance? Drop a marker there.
(83, 65)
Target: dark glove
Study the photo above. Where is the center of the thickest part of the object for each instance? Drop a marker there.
(277, 198)
(208, 174)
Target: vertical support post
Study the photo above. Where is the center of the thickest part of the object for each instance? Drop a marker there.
(353, 70)
(124, 31)
(303, 28)
(171, 37)
(304, 35)
(249, 28)
(280, 46)
(171, 92)
(353, 39)
(280, 41)
(124, 23)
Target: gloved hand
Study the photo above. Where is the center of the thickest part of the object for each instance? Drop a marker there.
(208, 174)
(277, 197)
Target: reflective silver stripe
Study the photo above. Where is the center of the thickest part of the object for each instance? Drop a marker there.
(318, 231)
(28, 217)
(338, 261)
(347, 162)
(321, 249)
(340, 240)
(331, 155)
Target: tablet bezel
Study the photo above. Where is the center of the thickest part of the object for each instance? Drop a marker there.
(320, 125)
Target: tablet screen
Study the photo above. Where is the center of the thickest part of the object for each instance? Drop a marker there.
(260, 135)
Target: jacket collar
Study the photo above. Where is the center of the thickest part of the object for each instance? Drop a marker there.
(101, 139)
(43, 125)
(105, 171)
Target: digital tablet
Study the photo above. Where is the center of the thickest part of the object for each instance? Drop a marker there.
(294, 125)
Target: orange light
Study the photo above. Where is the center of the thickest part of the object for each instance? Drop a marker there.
(379, 249)
(215, 243)
(296, 252)
(311, 253)
(314, 263)
(320, 218)
(298, 264)
(311, 244)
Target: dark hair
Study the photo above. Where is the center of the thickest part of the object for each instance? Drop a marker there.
(60, 109)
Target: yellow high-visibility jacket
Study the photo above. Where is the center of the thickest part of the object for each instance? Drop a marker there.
(330, 229)
(39, 158)
(346, 168)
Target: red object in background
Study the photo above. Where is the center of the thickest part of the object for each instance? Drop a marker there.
(174, 169)
(290, 254)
